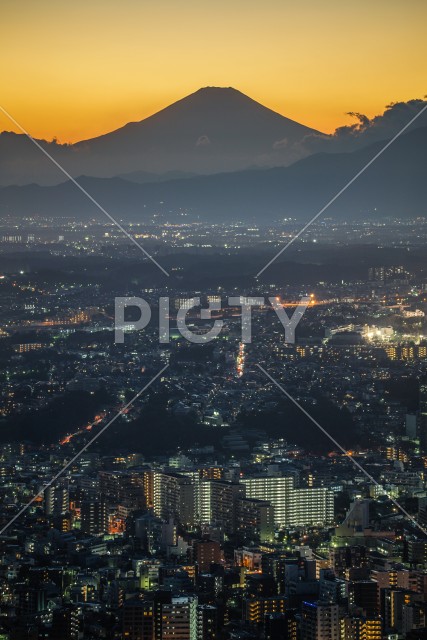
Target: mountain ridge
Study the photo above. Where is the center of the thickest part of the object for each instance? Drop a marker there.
(394, 185)
(210, 130)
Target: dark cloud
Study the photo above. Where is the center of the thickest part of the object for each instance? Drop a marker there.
(367, 130)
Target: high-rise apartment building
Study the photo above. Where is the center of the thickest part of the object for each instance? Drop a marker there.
(255, 519)
(292, 507)
(94, 517)
(320, 621)
(218, 503)
(178, 619)
(56, 500)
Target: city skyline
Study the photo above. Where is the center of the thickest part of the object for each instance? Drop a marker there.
(213, 348)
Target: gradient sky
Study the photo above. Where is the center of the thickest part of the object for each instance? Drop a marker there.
(82, 68)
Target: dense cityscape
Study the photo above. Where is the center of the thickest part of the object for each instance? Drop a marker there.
(213, 505)
(213, 320)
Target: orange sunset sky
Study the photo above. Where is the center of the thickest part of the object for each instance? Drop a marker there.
(78, 69)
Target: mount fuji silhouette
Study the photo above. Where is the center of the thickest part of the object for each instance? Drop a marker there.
(210, 131)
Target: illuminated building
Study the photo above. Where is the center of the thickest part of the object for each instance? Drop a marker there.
(320, 621)
(94, 517)
(56, 500)
(292, 507)
(274, 489)
(183, 303)
(207, 622)
(124, 487)
(24, 347)
(177, 619)
(393, 601)
(360, 628)
(165, 494)
(217, 503)
(256, 609)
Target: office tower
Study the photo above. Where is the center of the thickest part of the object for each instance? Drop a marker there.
(259, 585)
(182, 303)
(169, 537)
(401, 578)
(148, 484)
(177, 579)
(320, 621)
(94, 517)
(62, 522)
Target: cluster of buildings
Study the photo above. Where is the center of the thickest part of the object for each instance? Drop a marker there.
(278, 545)
(183, 550)
(243, 533)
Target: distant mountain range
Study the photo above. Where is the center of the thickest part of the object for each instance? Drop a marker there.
(210, 131)
(394, 185)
